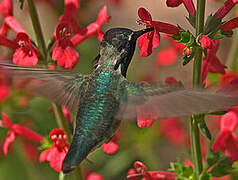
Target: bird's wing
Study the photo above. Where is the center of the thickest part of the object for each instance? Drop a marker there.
(161, 101)
(61, 87)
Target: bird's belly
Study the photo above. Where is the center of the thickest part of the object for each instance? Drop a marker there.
(95, 124)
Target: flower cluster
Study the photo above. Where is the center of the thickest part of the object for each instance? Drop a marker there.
(68, 34)
(17, 130)
(141, 170)
(57, 152)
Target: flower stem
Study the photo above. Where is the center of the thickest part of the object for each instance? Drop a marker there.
(37, 29)
(61, 120)
(197, 66)
(233, 56)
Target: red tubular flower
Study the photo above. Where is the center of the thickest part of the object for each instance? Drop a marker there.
(211, 63)
(94, 176)
(63, 50)
(4, 88)
(226, 8)
(173, 130)
(171, 81)
(56, 154)
(12, 23)
(17, 130)
(6, 8)
(187, 3)
(168, 56)
(92, 29)
(25, 54)
(70, 9)
(226, 139)
(205, 42)
(147, 42)
(141, 170)
(229, 25)
(111, 147)
(227, 78)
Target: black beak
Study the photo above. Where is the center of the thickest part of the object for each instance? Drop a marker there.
(137, 34)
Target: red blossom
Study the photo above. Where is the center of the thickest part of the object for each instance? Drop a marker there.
(26, 54)
(94, 176)
(171, 81)
(227, 78)
(92, 29)
(144, 120)
(17, 130)
(205, 42)
(187, 3)
(70, 9)
(226, 140)
(31, 152)
(63, 50)
(12, 23)
(173, 3)
(148, 41)
(4, 88)
(141, 170)
(111, 147)
(211, 63)
(226, 8)
(56, 154)
(6, 8)
(168, 56)
(173, 130)
(67, 113)
(229, 25)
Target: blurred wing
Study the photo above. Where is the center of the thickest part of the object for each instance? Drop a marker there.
(61, 87)
(155, 100)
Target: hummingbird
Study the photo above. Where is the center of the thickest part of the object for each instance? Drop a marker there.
(105, 97)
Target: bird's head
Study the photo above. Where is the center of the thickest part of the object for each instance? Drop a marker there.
(120, 43)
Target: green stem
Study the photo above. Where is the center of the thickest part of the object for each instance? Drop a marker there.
(42, 46)
(61, 120)
(233, 56)
(197, 66)
(37, 29)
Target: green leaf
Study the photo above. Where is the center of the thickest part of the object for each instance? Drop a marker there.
(182, 172)
(212, 24)
(204, 129)
(219, 113)
(205, 176)
(192, 19)
(222, 168)
(21, 3)
(187, 58)
(211, 158)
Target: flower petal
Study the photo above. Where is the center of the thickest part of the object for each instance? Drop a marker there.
(144, 15)
(10, 138)
(166, 57)
(6, 121)
(94, 176)
(110, 147)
